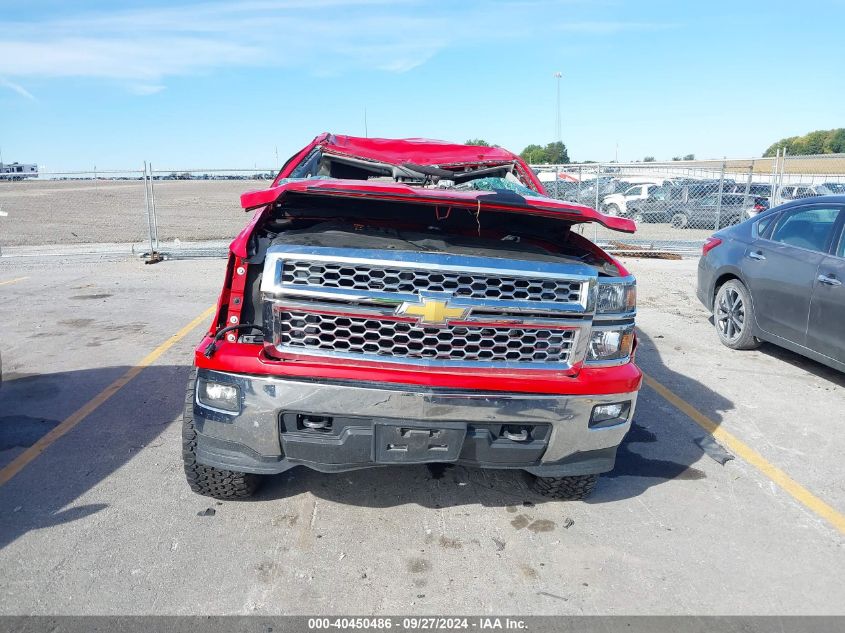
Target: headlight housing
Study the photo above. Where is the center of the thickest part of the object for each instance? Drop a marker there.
(610, 344)
(616, 297)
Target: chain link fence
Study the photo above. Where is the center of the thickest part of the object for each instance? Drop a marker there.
(192, 212)
(676, 204)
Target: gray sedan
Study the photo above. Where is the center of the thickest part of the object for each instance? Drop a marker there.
(780, 277)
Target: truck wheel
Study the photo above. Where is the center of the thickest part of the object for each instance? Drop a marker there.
(565, 488)
(733, 315)
(679, 221)
(205, 480)
(612, 209)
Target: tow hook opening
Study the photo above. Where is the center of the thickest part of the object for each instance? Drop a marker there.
(313, 422)
(516, 433)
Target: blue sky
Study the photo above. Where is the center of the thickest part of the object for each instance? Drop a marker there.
(223, 84)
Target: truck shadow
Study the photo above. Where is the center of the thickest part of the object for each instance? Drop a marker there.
(661, 446)
(663, 443)
(59, 486)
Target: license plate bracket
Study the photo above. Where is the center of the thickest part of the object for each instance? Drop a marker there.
(402, 442)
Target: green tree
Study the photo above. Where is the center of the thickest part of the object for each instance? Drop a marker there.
(816, 142)
(689, 157)
(554, 153)
(477, 141)
(648, 159)
(534, 154)
(781, 144)
(836, 142)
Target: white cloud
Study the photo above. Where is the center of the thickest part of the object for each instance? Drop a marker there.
(17, 88)
(142, 47)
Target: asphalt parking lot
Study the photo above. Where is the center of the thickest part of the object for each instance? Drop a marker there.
(97, 518)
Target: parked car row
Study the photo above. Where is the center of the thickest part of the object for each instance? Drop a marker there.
(617, 203)
(796, 192)
(684, 202)
(701, 205)
(613, 192)
(705, 212)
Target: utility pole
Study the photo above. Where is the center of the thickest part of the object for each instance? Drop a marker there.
(366, 131)
(558, 128)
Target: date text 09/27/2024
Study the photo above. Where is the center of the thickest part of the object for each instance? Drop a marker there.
(430, 623)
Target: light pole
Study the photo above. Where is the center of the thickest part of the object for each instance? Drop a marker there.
(558, 129)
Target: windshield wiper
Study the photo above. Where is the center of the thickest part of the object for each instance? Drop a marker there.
(428, 170)
(463, 176)
(456, 176)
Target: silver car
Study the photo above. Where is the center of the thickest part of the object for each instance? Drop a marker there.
(780, 277)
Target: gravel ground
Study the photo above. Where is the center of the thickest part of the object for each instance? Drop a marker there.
(86, 211)
(102, 522)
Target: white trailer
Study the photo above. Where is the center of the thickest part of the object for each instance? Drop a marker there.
(18, 171)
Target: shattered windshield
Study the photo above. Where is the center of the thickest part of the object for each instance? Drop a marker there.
(489, 177)
(494, 184)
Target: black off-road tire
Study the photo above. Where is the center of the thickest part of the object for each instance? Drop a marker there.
(565, 488)
(205, 480)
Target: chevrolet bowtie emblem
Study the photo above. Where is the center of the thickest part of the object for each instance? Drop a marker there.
(431, 310)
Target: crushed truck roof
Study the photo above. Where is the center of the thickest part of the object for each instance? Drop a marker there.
(431, 153)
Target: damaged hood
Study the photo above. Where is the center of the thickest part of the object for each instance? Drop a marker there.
(480, 201)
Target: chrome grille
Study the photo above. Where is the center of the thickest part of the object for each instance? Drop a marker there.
(304, 331)
(429, 309)
(471, 285)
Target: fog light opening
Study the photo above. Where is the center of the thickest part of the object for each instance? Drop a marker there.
(219, 396)
(610, 414)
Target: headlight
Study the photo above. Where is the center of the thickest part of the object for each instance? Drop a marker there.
(616, 297)
(219, 396)
(611, 344)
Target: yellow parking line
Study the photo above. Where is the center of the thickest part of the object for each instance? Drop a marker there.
(21, 461)
(12, 281)
(743, 450)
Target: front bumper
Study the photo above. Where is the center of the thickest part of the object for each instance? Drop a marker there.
(373, 424)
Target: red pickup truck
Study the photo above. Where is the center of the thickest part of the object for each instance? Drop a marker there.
(413, 301)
